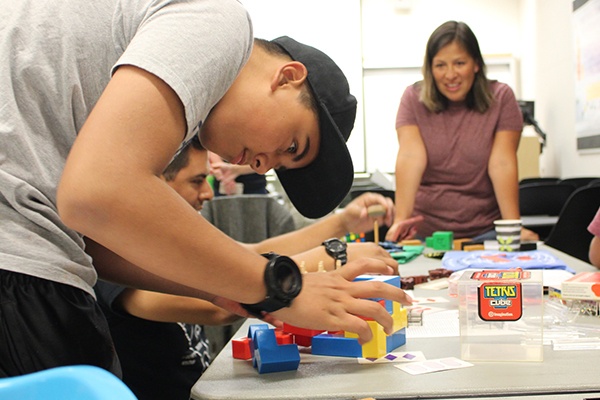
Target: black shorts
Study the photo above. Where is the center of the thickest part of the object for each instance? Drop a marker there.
(44, 324)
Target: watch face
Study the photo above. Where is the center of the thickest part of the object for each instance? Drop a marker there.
(288, 280)
(335, 246)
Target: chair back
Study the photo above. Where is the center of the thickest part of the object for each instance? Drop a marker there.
(75, 382)
(580, 181)
(544, 198)
(570, 234)
(595, 182)
(249, 218)
(526, 181)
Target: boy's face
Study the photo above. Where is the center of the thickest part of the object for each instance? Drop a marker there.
(190, 182)
(270, 129)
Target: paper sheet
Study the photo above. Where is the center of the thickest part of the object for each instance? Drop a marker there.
(435, 324)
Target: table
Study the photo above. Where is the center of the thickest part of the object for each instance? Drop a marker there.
(563, 375)
(532, 221)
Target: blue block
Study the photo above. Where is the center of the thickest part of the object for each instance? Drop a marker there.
(393, 280)
(395, 340)
(327, 344)
(251, 331)
(272, 357)
(254, 327)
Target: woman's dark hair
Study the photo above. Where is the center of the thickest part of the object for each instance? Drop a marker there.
(480, 96)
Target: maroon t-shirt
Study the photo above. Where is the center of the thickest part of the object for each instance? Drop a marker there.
(456, 193)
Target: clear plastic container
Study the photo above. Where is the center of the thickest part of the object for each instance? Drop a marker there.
(501, 315)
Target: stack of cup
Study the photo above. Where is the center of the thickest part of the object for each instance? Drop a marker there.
(508, 234)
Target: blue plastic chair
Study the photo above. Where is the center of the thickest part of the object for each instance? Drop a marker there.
(77, 382)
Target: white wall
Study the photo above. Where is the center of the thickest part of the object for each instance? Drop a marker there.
(332, 26)
(527, 43)
(555, 92)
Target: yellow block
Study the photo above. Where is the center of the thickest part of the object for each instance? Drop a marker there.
(377, 346)
(474, 247)
(400, 316)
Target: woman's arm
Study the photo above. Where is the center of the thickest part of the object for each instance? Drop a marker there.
(410, 166)
(503, 172)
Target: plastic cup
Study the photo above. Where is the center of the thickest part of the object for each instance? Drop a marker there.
(508, 234)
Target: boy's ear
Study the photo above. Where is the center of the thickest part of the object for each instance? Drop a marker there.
(291, 73)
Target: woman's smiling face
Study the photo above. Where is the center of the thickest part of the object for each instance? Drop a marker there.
(454, 71)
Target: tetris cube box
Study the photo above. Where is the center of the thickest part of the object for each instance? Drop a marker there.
(501, 315)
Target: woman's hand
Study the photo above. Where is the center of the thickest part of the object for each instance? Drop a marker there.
(403, 229)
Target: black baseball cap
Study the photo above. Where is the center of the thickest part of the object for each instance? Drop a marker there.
(318, 188)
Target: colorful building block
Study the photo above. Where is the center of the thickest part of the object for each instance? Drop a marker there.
(241, 348)
(272, 350)
(442, 240)
(283, 337)
(300, 331)
(396, 340)
(337, 345)
(272, 357)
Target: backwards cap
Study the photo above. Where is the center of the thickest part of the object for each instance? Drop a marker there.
(318, 188)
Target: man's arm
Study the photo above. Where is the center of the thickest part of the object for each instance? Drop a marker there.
(352, 218)
(111, 192)
(163, 307)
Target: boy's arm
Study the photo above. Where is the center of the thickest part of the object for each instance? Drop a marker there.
(163, 307)
(111, 192)
(352, 218)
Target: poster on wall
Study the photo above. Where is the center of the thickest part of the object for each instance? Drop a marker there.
(586, 29)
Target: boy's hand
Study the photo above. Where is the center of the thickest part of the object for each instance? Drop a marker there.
(333, 302)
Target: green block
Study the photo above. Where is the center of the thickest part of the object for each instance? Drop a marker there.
(429, 241)
(442, 240)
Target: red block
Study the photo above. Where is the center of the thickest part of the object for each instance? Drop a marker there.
(241, 348)
(301, 331)
(283, 337)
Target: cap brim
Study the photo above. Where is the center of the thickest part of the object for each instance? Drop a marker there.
(317, 189)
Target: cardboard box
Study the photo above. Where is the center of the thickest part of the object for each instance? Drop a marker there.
(584, 286)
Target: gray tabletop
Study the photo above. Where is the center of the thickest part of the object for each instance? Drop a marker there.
(562, 375)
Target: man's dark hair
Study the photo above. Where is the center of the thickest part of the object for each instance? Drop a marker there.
(307, 98)
(182, 158)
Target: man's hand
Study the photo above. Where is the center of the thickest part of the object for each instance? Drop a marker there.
(356, 218)
(370, 250)
(332, 301)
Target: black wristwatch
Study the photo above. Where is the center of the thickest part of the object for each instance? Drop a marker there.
(336, 249)
(283, 281)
